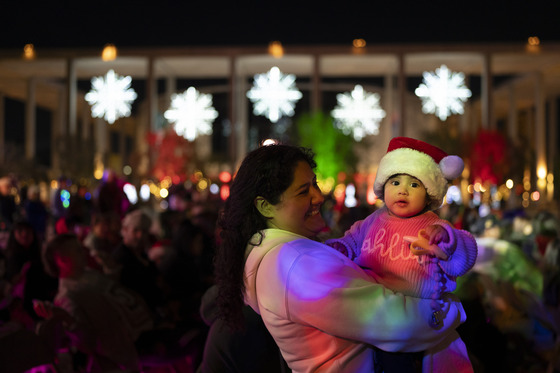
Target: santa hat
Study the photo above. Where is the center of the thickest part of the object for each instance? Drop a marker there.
(428, 163)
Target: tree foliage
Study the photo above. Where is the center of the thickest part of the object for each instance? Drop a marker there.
(333, 150)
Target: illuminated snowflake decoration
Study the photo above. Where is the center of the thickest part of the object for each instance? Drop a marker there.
(192, 113)
(443, 92)
(111, 96)
(358, 113)
(274, 94)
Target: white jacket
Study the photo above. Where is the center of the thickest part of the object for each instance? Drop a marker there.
(323, 310)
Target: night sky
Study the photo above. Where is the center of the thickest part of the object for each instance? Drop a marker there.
(189, 23)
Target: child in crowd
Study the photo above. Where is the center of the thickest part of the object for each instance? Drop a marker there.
(406, 247)
(98, 316)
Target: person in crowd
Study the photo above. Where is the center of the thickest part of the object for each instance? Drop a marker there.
(251, 350)
(60, 199)
(99, 318)
(36, 212)
(110, 196)
(8, 207)
(130, 263)
(99, 241)
(187, 269)
(25, 272)
(406, 246)
(322, 309)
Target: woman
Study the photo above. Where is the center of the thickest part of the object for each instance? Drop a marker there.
(322, 309)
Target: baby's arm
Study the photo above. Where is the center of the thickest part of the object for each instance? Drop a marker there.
(351, 243)
(460, 248)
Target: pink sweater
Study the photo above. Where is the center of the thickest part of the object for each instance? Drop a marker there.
(376, 244)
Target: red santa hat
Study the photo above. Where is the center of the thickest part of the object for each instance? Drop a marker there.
(428, 163)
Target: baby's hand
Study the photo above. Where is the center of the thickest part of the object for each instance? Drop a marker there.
(426, 243)
(437, 234)
(337, 246)
(340, 248)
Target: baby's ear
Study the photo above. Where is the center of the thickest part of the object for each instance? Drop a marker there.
(264, 207)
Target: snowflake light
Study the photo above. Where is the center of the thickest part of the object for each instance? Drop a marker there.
(274, 94)
(192, 113)
(443, 92)
(358, 112)
(111, 96)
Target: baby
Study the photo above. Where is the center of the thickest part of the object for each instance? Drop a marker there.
(406, 247)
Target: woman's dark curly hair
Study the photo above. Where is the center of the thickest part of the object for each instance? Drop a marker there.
(266, 172)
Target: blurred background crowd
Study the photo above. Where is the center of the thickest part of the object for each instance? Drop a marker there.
(91, 281)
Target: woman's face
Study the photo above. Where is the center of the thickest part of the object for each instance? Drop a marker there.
(299, 208)
(405, 196)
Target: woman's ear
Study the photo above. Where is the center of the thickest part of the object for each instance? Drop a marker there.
(264, 207)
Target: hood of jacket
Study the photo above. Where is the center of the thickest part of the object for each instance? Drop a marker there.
(272, 239)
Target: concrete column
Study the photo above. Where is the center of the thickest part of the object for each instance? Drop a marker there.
(86, 118)
(58, 132)
(232, 114)
(30, 119)
(540, 132)
(400, 125)
(2, 128)
(487, 119)
(512, 118)
(465, 118)
(552, 141)
(170, 89)
(72, 97)
(241, 122)
(316, 97)
(151, 95)
(101, 141)
(388, 104)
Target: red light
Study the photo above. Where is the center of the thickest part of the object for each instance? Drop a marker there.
(225, 177)
(224, 192)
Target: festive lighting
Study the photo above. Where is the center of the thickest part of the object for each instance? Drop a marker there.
(145, 192)
(214, 189)
(269, 142)
(65, 198)
(275, 49)
(274, 94)
(453, 194)
(358, 43)
(224, 192)
(109, 53)
(111, 96)
(131, 193)
(350, 199)
(533, 41)
(443, 92)
(224, 176)
(29, 52)
(192, 113)
(358, 112)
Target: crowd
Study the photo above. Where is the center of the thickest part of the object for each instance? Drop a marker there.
(105, 285)
(100, 284)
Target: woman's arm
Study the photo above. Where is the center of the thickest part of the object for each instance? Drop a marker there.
(324, 289)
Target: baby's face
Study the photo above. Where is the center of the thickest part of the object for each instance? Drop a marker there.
(405, 196)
